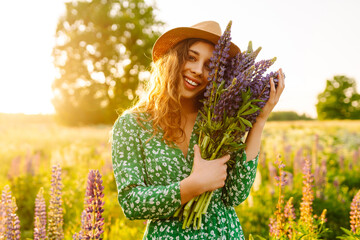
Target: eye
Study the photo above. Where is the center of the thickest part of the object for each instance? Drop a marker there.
(191, 58)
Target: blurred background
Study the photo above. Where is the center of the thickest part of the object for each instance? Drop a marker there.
(92, 57)
(68, 67)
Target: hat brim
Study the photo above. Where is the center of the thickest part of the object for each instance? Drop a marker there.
(176, 35)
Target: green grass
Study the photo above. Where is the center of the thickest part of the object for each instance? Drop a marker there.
(30, 145)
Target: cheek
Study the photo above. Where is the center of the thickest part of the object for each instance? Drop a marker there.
(185, 66)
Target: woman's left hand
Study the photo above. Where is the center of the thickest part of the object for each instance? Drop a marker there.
(275, 94)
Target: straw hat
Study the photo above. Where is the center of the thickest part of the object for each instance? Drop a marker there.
(208, 30)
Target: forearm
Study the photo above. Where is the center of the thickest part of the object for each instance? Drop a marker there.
(150, 202)
(253, 139)
(188, 190)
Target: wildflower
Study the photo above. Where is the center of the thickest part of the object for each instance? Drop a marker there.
(355, 214)
(40, 216)
(322, 217)
(275, 229)
(277, 223)
(55, 215)
(9, 221)
(12, 222)
(307, 199)
(289, 214)
(4, 209)
(91, 218)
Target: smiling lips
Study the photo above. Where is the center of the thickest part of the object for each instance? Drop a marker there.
(191, 83)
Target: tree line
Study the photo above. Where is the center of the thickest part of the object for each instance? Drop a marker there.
(102, 57)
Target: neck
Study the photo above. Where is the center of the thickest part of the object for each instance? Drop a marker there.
(188, 107)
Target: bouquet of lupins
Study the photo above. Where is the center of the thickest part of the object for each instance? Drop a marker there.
(237, 91)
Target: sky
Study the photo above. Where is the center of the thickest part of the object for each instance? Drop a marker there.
(312, 40)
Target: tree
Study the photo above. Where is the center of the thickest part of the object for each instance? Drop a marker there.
(103, 48)
(339, 100)
(287, 116)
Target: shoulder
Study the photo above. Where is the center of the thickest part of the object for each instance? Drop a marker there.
(131, 121)
(126, 121)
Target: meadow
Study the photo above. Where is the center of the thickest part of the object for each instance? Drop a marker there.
(31, 145)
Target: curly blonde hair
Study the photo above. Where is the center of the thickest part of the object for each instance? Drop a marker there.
(162, 98)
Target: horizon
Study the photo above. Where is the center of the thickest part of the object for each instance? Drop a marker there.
(300, 44)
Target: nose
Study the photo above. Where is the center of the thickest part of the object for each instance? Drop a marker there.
(197, 69)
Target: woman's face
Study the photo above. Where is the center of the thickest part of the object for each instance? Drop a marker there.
(195, 71)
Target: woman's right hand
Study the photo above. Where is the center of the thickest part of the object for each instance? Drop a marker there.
(206, 176)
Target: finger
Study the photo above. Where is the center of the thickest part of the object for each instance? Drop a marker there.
(281, 74)
(272, 88)
(281, 83)
(224, 159)
(197, 154)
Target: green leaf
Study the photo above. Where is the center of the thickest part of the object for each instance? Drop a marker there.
(250, 48)
(346, 231)
(248, 123)
(242, 126)
(250, 111)
(243, 108)
(221, 86)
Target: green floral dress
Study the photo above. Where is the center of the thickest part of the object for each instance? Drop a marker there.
(148, 175)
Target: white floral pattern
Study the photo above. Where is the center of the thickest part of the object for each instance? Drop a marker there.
(148, 175)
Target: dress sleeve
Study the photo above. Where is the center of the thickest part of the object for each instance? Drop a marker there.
(137, 199)
(239, 180)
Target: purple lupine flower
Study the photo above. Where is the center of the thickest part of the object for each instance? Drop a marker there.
(5, 209)
(355, 214)
(289, 210)
(12, 222)
(261, 91)
(281, 179)
(261, 67)
(289, 214)
(40, 216)
(273, 228)
(219, 60)
(85, 222)
(55, 215)
(76, 236)
(247, 59)
(93, 221)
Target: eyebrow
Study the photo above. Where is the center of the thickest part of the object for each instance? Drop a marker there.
(195, 52)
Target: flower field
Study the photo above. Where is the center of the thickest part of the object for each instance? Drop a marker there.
(31, 145)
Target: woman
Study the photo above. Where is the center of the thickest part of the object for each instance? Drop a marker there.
(157, 164)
